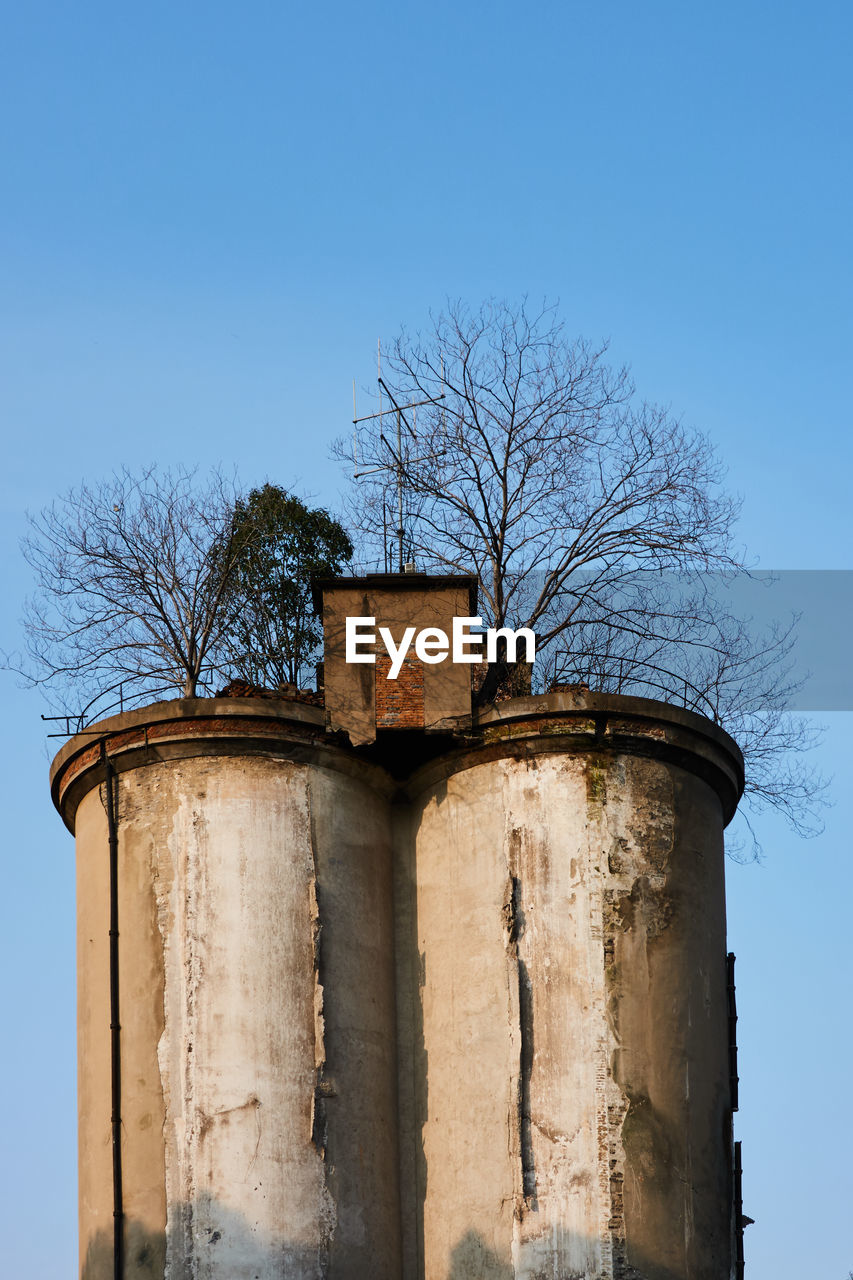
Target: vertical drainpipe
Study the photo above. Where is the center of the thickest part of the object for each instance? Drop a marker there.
(115, 1024)
(739, 1219)
(732, 1012)
(733, 1088)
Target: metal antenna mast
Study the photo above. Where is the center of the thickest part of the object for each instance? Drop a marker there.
(398, 462)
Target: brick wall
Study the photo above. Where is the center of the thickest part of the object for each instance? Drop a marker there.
(400, 702)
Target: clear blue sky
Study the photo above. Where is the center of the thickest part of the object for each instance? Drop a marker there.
(208, 215)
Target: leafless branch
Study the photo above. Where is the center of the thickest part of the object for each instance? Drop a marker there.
(132, 577)
(578, 506)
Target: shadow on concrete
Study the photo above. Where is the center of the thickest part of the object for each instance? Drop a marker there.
(472, 1259)
(209, 1239)
(219, 1244)
(144, 1252)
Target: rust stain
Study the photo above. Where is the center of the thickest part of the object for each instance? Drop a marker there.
(210, 726)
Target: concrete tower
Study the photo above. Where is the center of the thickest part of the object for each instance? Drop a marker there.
(405, 990)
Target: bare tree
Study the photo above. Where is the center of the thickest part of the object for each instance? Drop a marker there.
(678, 637)
(132, 587)
(595, 519)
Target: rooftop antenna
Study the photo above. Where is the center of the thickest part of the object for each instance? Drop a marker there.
(398, 460)
(443, 411)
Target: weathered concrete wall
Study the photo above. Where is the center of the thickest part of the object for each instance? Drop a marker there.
(142, 1003)
(357, 1101)
(472, 1027)
(257, 1003)
(566, 1101)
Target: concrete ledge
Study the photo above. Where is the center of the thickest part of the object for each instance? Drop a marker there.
(569, 720)
(574, 701)
(581, 721)
(186, 727)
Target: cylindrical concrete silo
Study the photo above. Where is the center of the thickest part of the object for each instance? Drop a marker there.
(469, 1024)
(257, 1091)
(565, 1100)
